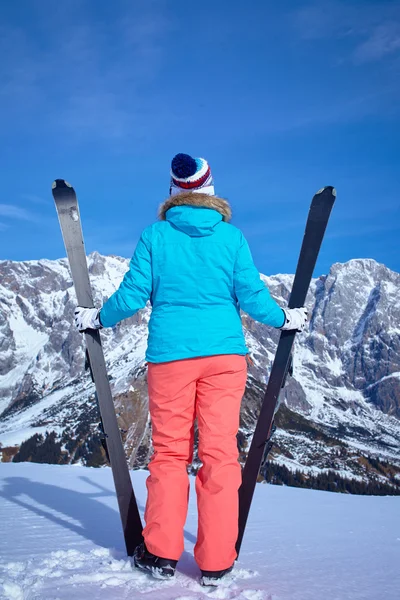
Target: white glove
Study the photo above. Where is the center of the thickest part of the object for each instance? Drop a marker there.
(296, 318)
(87, 318)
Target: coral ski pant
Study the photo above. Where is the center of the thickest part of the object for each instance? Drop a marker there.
(211, 389)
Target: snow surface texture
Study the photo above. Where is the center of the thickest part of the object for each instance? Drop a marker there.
(61, 539)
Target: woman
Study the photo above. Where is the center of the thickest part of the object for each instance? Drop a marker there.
(197, 271)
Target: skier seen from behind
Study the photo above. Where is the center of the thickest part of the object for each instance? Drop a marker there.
(197, 271)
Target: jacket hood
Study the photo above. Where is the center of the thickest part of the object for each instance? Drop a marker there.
(195, 214)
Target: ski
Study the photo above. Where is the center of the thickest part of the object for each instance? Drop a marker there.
(318, 217)
(100, 427)
(69, 218)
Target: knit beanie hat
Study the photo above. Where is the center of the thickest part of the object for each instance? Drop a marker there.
(190, 175)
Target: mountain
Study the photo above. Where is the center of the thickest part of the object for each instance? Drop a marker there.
(341, 408)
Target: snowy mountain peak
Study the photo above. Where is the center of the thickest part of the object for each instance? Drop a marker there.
(345, 383)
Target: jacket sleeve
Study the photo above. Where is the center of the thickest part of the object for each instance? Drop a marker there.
(252, 294)
(135, 289)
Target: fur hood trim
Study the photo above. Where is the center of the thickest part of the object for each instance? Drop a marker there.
(196, 199)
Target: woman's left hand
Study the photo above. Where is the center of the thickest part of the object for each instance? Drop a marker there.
(87, 318)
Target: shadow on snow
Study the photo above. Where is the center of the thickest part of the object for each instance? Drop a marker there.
(94, 520)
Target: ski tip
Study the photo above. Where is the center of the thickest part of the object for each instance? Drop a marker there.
(329, 188)
(60, 183)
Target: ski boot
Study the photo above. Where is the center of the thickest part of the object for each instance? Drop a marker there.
(214, 577)
(160, 568)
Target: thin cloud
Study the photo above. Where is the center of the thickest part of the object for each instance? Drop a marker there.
(120, 240)
(361, 231)
(96, 73)
(347, 110)
(383, 40)
(373, 29)
(16, 212)
(35, 199)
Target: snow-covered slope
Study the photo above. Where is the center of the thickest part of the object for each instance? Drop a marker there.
(342, 405)
(60, 538)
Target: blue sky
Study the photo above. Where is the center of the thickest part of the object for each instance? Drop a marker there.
(281, 98)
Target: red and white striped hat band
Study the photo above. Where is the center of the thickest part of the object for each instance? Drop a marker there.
(201, 182)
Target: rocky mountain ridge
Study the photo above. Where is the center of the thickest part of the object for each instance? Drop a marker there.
(341, 406)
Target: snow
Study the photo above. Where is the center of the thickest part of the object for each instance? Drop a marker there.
(15, 438)
(28, 342)
(60, 538)
(20, 426)
(395, 375)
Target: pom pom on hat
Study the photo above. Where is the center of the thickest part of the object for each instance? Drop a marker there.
(190, 175)
(183, 166)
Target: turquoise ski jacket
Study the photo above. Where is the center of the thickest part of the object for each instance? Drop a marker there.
(197, 271)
